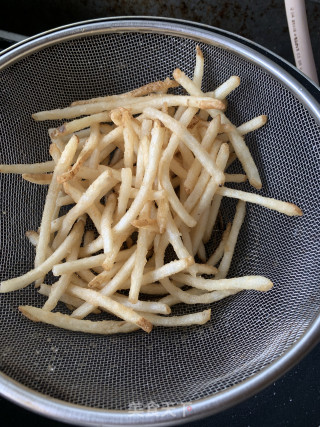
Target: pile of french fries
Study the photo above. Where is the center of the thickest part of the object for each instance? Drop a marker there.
(148, 169)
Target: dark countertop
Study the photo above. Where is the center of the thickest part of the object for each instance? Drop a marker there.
(294, 399)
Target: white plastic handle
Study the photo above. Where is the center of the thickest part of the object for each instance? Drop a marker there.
(300, 38)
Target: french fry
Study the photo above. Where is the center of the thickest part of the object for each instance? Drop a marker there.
(252, 125)
(284, 207)
(60, 287)
(100, 186)
(214, 210)
(106, 223)
(144, 240)
(199, 68)
(108, 290)
(53, 191)
(258, 283)
(236, 139)
(141, 91)
(34, 168)
(134, 104)
(218, 253)
(76, 191)
(195, 169)
(87, 150)
(124, 193)
(154, 155)
(191, 297)
(186, 320)
(87, 263)
(146, 306)
(113, 306)
(232, 240)
(66, 322)
(181, 131)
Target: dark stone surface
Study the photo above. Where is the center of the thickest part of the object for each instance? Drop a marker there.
(262, 21)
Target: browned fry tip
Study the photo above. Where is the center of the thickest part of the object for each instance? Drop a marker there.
(145, 324)
(199, 51)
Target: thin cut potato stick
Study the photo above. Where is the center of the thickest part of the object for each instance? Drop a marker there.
(113, 137)
(118, 240)
(225, 88)
(33, 238)
(130, 139)
(64, 200)
(93, 247)
(237, 177)
(87, 150)
(203, 180)
(152, 195)
(162, 214)
(182, 132)
(133, 104)
(150, 173)
(78, 124)
(199, 318)
(166, 270)
(252, 125)
(212, 186)
(76, 191)
(164, 177)
(65, 298)
(114, 307)
(43, 268)
(140, 163)
(33, 168)
(109, 289)
(38, 178)
(198, 231)
(284, 207)
(67, 322)
(194, 295)
(178, 169)
(146, 306)
(141, 91)
(214, 210)
(99, 187)
(195, 169)
(143, 243)
(202, 252)
(236, 139)
(105, 276)
(232, 240)
(148, 224)
(258, 283)
(245, 158)
(60, 287)
(106, 223)
(49, 207)
(124, 193)
(199, 68)
(87, 263)
(218, 253)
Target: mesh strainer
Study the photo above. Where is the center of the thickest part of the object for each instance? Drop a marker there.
(171, 374)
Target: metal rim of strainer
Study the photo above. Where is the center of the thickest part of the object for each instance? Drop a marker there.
(80, 415)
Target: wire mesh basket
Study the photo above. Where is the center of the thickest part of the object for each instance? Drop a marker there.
(170, 375)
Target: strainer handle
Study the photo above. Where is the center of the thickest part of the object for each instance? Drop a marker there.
(300, 38)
